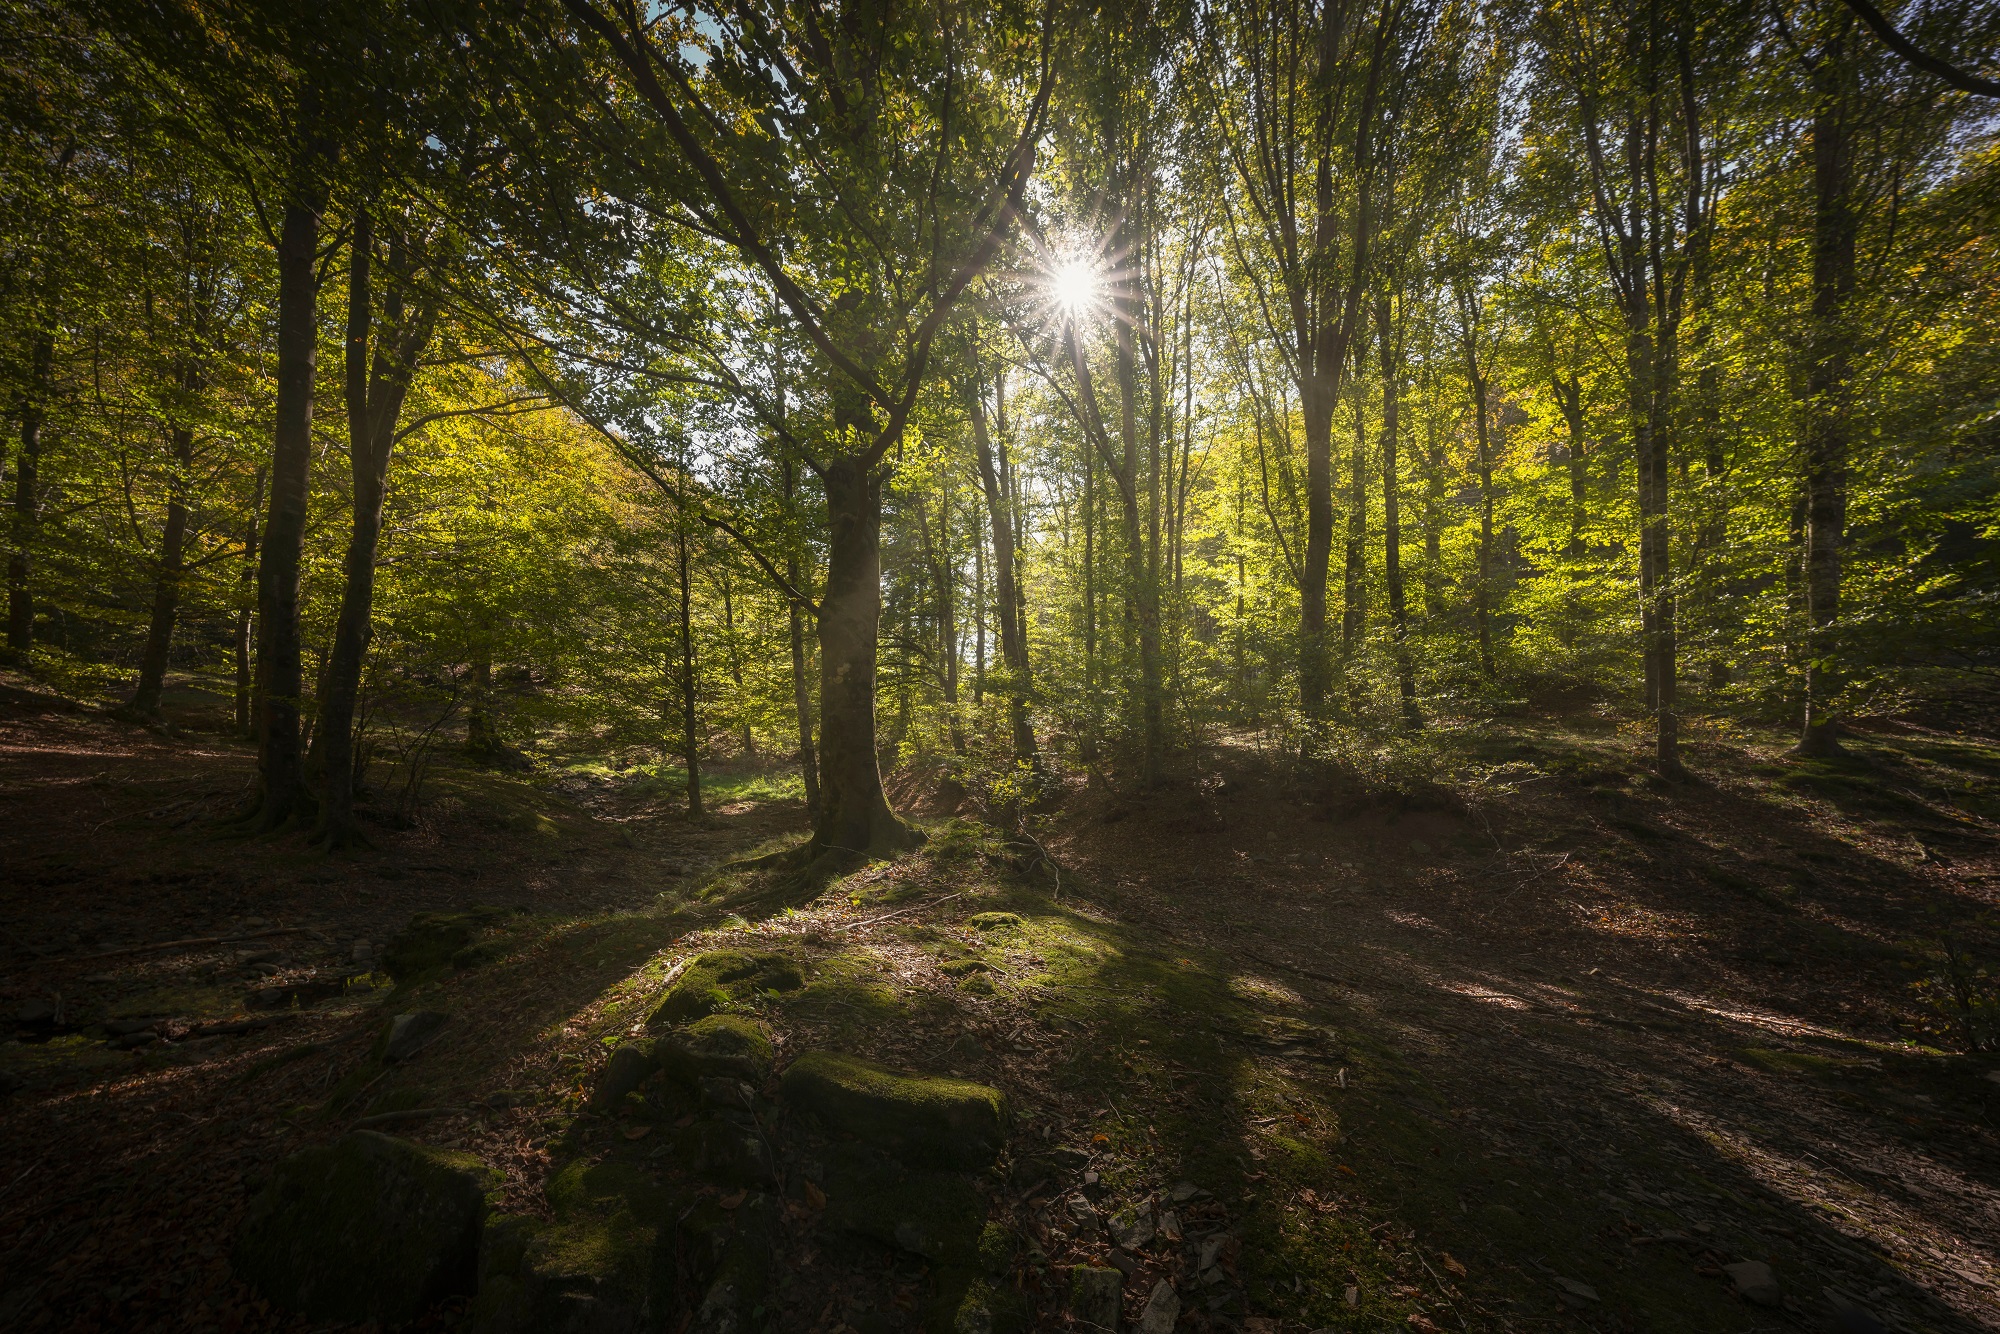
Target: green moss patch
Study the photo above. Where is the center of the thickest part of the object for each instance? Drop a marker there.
(723, 978)
(734, 1045)
(940, 1121)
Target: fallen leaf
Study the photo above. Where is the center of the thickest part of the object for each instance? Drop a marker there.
(1352, 1295)
(815, 1196)
(1421, 1322)
(637, 1132)
(732, 1201)
(1452, 1265)
(1100, 1139)
(684, 1122)
(1343, 1167)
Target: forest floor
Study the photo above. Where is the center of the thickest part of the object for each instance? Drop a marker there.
(1547, 1051)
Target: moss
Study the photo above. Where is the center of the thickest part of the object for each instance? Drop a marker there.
(935, 1121)
(964, 967)
(721, 1044)
(431, 940)
(369, 1228)
(720, 979)
(969, 1303)
(976, 985)
(993, 921)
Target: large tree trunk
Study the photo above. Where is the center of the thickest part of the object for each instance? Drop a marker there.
(280, 762)
(166, 583)
(27, 498)
(854, 814)
(1825, 406)
(374, 406)
(1000, 517)
(1392, 514)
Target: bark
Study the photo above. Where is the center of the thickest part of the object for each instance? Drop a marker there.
(1000, 517)
(1392, 514)
(854, 814)
(978, 619)
(735, 647)
(690, 723)
(1140, 568)
(27, 498)
(1569, 396)
(1482, 601)
(246, 617)
(376, 389)
(1825, 446)
(801, 691)
(1354, 609)
(167, 581)
(280, 761)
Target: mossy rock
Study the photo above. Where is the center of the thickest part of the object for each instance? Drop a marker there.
(722, 1151)
(478, 954)
(432, 940)
(964, 967)
(993, 921)
(721, 978)
(502, 1304)
(630, 1066)
(937, 1215)
(368, 1228)
(938, 1122)
(731, 1045)
(743, 1270)
(978, 985)
(969, 1303)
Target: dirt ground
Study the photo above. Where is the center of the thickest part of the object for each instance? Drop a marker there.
(1549, 1050)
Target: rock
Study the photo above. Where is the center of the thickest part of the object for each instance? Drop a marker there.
(10, 1083)
(119, 1028)
(1163, 1310)
(501, 1306)
(1096, 1297)
(723, 1091)
(35, 1013)
(368, 1228)
(629, 1067)
(993, 921)
(1754, 1279)
(978, 985)
(1170, 1225)
(934, 1121)
(1576, 1289)
(1185, 1191)
(729, 1153)
(133, 1041)
(964, 967)
(936, 1215)
(1851, 1319)
(733, 1045)
(363, 952)
(977, 1305)
(428, 943)
(1133, 1228)
(407, 1034)
(478, 954)
(1209, 1252)
(719, 979)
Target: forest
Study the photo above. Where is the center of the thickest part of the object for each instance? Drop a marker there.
(1275, 666)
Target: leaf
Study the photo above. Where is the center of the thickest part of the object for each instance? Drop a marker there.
(1452, 1265)
(734, 1200)
(815, 1196)
(637, 1132)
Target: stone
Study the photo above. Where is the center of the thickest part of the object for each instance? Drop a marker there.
(1754, 1279)
(1575, 1289)
(977, 1305)
(723, 1091)
(733, 1045)
(721, 978)
(428, 942)
(1096, 1297)
(1163, 1310)
(1132, 1227)
(993, 921)
(363, 952)
(964, 967)
(35, 1012)
(407, 1034)
(1185, 1191)
(933, 1121)
(936, 1215)
(723, 1151)
(629, 1067)
(368, 1228)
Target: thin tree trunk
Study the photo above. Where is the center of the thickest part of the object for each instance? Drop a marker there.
(801, 691)
(1142, 585)
(1483, 592)
(1354, 608)
(375, 396)
(283, 797)
(167, 582)
(690, 734)
(978, 618)
(27, 498)
(1013, 640)
(246, 616)
(1392, 514)
(735, 648)
(1569, 396)
(1825, 444)
(854, 814)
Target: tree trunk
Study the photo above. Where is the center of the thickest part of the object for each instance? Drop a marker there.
(854, 814)
(1482, 601)
(27, 500)
(748, 738)
(801, 692)
(690, 733)
(1000, 516)
(1569, 395)
(1354, 606)
(246, 616)
(1825, 406)
(374, 405)
(283, 796)
(167, 583)
(1140, 569)
(1656, 610)
(978, 619)
(1392, 515)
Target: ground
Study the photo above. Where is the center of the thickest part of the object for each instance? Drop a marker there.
(1544, 1046)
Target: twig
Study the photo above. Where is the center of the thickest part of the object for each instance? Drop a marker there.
(927, 903)
(191, 943)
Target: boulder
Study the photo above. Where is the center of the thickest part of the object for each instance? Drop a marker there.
(1754, 1279)
(974, 1304)
(629, 1067)
(937, 1122)
(731, 1046)
(1163, 1310)
(731, 1153)
(369, 1228)
(407, 1034)
(721, 978)
(936, 1215)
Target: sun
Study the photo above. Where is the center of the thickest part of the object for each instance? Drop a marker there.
(1074, 285)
